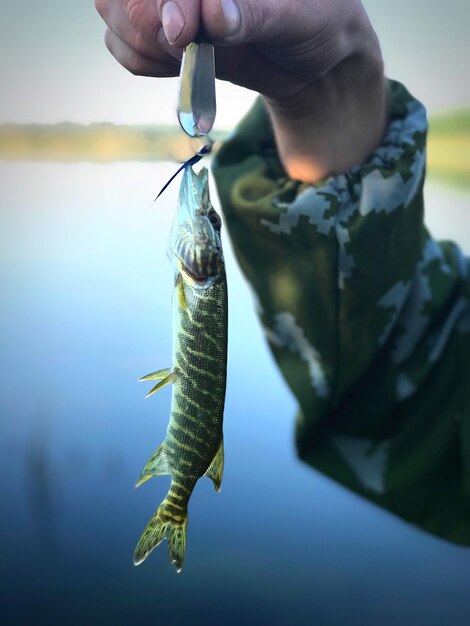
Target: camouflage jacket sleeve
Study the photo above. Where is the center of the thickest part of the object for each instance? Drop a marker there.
(366, 315)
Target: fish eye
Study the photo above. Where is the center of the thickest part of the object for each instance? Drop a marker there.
(214, 219)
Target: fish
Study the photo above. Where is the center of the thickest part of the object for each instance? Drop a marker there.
(193, 446)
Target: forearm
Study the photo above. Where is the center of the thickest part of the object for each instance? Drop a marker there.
(338, 259)
(338, 119)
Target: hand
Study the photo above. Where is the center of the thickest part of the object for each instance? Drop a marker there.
(317, 64)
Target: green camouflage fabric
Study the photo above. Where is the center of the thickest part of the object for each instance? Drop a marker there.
(367, 316)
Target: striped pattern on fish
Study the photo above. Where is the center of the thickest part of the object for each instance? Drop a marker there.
(193, 446)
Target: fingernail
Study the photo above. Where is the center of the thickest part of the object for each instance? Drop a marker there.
(232, 16)
(172, 21)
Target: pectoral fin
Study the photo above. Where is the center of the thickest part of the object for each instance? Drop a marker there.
(216, 468)
(157, 465)
(158, 375)
(168, 379)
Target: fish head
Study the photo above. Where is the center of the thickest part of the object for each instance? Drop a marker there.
(195, 239)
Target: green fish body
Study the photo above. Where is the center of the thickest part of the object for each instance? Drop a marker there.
(193, 446)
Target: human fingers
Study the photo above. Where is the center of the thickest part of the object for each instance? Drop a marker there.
(290, 32)
(139, 64)
(310, 36)
(256, 21)
(138, 26)
(180, 19)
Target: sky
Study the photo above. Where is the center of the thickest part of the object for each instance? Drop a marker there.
(54, 65)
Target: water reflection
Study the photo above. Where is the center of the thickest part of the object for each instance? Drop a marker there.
(42, 484)
(86, 305)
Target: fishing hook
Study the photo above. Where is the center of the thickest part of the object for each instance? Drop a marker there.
(205, 150)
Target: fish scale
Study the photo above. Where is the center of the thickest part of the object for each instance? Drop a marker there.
(193, 446)
(201, 371)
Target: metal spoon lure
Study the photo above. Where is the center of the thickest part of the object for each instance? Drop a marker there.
(196, 107)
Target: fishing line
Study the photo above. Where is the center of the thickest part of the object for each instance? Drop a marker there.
(205, 150)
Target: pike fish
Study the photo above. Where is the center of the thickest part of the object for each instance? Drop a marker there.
(193, 446)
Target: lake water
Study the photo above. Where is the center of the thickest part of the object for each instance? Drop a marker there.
(85, 311)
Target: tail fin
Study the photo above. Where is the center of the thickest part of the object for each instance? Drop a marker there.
(164, 524)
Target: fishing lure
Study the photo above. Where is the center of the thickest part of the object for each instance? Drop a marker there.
(193, 446)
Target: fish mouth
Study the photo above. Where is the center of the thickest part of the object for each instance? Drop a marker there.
(198, 251)
(200, 267)
(195, 241)
(192, 275)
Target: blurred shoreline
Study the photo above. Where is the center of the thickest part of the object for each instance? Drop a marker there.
(448, 144)
(68, 142)
(448, 148)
